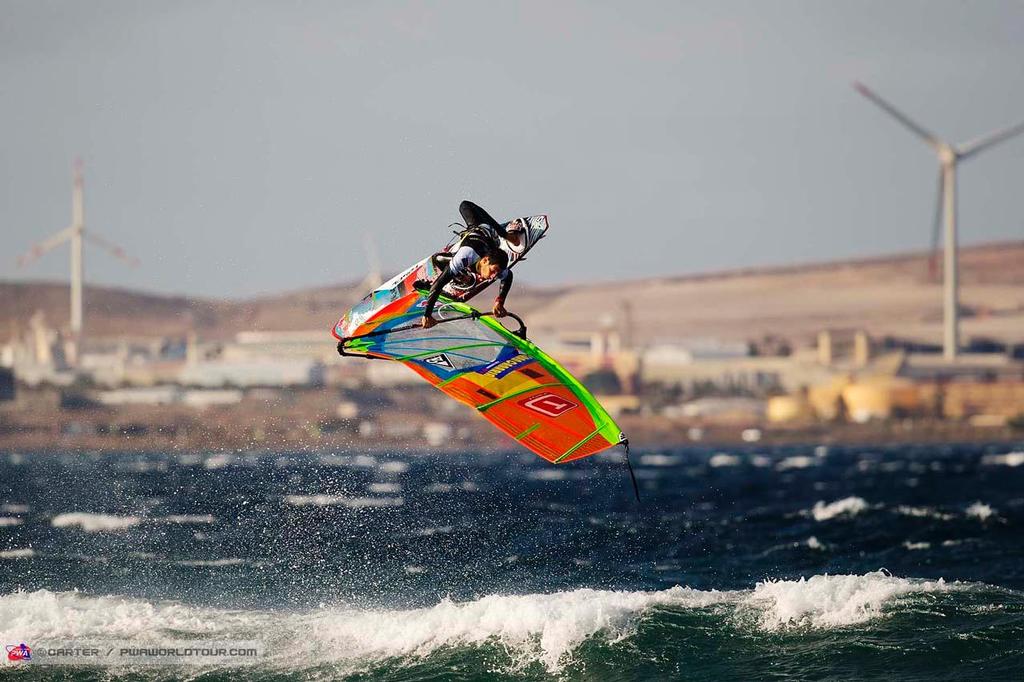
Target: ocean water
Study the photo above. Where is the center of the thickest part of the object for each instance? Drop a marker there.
(759, 563)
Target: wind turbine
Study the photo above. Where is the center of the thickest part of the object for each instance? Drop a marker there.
(74, 234)
(949, 155)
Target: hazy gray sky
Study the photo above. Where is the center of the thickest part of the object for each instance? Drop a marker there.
(244, 147)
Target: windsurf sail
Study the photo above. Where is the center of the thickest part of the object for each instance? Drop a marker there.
(507, 379)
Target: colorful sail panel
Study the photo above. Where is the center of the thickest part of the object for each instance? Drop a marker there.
(510, 381)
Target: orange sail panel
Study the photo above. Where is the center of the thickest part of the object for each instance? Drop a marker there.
(508, 380)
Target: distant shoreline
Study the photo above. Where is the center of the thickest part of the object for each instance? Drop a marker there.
(643, 438)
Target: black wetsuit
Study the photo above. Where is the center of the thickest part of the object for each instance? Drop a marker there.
(474, 217)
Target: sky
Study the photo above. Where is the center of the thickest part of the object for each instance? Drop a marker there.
(245, 148)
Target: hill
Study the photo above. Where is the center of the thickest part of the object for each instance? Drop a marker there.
(885, 295)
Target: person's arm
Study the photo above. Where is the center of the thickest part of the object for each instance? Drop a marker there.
(435, 291)
(499, 302)
(461, 261)
(506, 284)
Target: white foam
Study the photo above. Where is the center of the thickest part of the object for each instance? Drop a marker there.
(339, 500)
(537, 627)
(814, 543)
(211, 562)
(810, 543)
(542, 628)
(659, 460)
(98, 523)
(313, 500)
(1010, 459)
(916, 545)
(547, 475)
(797, 462)
(848, 506)
(17, 553)
(384, 488)
(14, 508)
(95, 523)
(722, 459)
(188, 519)
(142, 466)
(466, 486)
(7, 521)
(827, 601)
(148, 556)
(394, 467)
(980, 511)
(218, 461)
(34, 616)
(923, 512)
(430, 532)
(369, 502)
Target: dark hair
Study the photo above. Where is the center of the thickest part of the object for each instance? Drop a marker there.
(499, 257)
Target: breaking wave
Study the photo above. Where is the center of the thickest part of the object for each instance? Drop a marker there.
(544, 629)
(848, 506)
(1010, 459)
(94, 523)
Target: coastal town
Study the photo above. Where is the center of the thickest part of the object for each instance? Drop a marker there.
(771, 355)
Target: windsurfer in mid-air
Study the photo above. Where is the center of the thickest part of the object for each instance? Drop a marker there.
(478, 255)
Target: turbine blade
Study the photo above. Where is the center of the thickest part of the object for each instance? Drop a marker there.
(985, 141)
(925, 135)
(111, 248)
(42, 247)
(933, 257)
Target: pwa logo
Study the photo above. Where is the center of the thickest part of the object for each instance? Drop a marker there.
(549, 404)
(439, 360)
(19, 652)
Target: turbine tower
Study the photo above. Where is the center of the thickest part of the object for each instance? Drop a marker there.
(75, 233)
(949, 155)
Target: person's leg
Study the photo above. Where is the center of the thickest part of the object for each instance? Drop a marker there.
(474, 215)
(441, 260)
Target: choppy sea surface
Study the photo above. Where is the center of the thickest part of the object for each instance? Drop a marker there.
(761, 563)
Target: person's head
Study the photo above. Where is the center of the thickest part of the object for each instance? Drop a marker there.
(491, 265)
